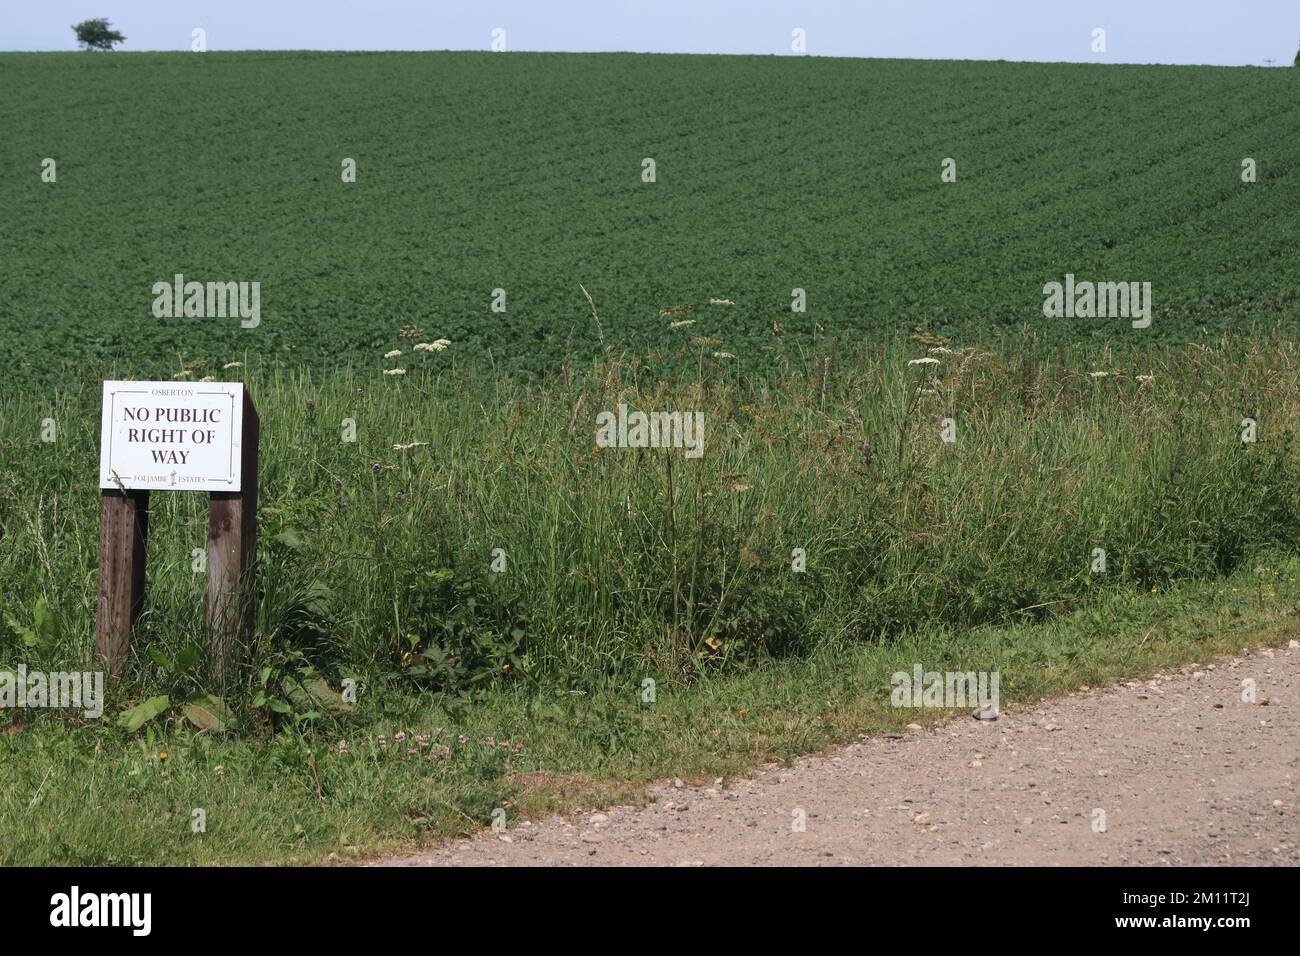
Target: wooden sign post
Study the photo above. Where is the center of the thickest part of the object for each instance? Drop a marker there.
(123, 533)
(176, 436)
(232, 550)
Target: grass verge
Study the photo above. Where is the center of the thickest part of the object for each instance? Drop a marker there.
(84, 793)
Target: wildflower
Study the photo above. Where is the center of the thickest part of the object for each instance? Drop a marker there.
(233, 365)
(939, 350)
(185, 373)
(400, 736)
(375, 468)
(311, 405)
(723, 355)
(680, 322)
(163, 756)
(435, 346)
(924, 361)
(393, 354)
(337, 484)
(1145, 378)
(394, 371)
(208, 378)
(414, 444)
(360, 392)
(1098, 374)
(721, 302)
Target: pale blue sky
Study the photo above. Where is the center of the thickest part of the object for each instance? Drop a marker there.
(1227, 32)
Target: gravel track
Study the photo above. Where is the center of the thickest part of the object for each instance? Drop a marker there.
(1186, 772)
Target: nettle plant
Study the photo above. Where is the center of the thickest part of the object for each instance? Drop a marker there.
(457, 633)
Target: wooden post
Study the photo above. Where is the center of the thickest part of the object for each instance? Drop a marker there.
(123, 533)
(232, 550)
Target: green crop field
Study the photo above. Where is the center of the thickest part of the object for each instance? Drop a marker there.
(523, 172)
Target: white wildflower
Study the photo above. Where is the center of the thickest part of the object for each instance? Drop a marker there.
(924, 361)
(393, 354)
(394, 371)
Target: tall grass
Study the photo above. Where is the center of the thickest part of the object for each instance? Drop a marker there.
(377, 561)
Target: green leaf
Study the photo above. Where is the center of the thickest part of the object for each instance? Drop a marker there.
(188, 658)
(141, 714)
(47, 628)
(208, 712)
(289, 539)
(25, 634)
(319, 692)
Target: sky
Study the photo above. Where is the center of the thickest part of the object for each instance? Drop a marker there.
(1223, 32)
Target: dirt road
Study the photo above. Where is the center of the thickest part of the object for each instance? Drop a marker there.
(1179, 769)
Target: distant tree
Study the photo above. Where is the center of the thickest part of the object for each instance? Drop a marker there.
(1297, 59)
(96, 34)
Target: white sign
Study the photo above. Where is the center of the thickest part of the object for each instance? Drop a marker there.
(178, 436)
